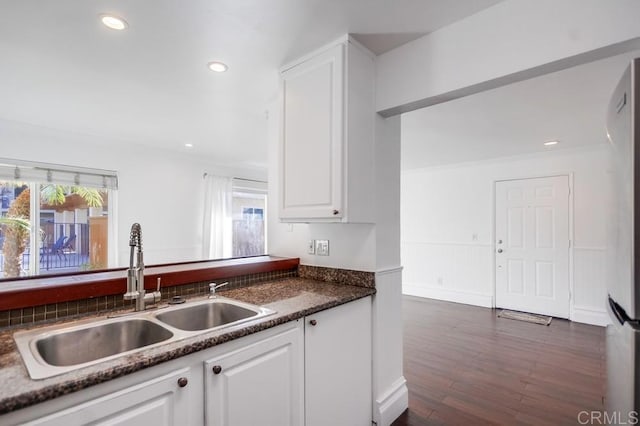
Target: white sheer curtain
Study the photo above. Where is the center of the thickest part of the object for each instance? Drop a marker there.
(218, 220)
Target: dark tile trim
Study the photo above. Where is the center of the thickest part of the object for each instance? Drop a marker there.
(110, 302)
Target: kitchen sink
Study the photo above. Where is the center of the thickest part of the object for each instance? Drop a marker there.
(211, 314)
(99, 341)
(57, 349)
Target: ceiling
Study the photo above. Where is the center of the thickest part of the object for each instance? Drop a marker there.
(150, 85)
(568, 106)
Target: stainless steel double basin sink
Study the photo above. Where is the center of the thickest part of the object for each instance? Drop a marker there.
(54, 350)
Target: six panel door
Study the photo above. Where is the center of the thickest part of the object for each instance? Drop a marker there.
(532, 245)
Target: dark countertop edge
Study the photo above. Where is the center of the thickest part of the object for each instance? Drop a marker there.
(28, 399)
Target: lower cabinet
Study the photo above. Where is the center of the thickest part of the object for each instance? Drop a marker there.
(257, 385)
(160, 401)
(337, 366)
(313, 371)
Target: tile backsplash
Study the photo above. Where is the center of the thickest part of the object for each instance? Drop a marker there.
(107, 303)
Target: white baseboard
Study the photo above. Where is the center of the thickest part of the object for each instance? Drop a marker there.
(392, 403)
(590, 316)
(467, 298)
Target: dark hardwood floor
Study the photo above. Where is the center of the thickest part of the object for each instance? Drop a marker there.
(464, 366)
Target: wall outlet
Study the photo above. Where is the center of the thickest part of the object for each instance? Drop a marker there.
(322, 247)
(311, 247)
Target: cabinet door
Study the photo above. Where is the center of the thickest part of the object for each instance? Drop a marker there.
(338, 366)
(157, 402)
(312, 138)
(257, 385)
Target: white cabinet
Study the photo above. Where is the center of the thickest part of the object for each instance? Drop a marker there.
(315, 371)
(338, 365)
(257, 385)
(162, 401)
(327, 140)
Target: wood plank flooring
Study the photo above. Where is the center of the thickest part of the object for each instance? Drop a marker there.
(464, 366)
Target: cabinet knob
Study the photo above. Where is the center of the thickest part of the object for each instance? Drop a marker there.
(335, 212)
(313, 322)
(217, 369)
(182, 382)
(499, 250)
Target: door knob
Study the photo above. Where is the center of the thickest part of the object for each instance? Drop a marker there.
(499, 250)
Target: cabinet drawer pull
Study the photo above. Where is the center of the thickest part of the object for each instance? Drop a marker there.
(182, 382)
(313, 322)
(217, 369)
(335, 212)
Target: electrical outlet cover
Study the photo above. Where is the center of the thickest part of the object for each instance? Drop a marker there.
(322, 247)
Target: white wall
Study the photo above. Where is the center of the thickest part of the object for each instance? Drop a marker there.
(162, 190)
(510, 41)
(447, 220)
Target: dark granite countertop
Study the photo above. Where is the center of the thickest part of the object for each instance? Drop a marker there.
(292, 298)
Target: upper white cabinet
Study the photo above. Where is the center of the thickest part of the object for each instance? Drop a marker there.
(327, 138)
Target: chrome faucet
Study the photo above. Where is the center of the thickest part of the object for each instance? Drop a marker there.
(135, 274)
(213, 287)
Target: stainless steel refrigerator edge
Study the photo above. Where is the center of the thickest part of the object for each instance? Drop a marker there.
(623, 275)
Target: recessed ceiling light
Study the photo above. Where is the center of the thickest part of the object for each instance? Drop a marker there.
(188, 145)
(549, 143)
(114, 22)
(217, 66)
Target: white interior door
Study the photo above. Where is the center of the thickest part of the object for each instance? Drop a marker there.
(532, 245)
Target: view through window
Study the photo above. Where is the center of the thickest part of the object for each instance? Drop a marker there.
(48, 228)
(248, 224)
(249, 218)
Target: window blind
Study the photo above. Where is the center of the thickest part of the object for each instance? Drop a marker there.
(30, 171)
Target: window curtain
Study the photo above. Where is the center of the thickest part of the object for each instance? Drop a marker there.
(218, 219)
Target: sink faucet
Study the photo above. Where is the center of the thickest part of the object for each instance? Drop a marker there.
(135, 274)
(213, 287)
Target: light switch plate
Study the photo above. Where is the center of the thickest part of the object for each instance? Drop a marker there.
(322, 247)
(311, 247)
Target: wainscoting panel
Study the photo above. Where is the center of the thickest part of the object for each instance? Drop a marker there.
(589, 286)
(457, 272)
(461, 272)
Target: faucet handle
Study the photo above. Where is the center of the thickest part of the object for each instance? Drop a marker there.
(213, 287)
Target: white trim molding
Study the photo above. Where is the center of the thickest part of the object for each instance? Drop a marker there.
(467, 298)
(590, 316)
(392, 403)
(387, 271)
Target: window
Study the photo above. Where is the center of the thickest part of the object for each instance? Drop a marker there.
(53, 218)
(248, 224)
